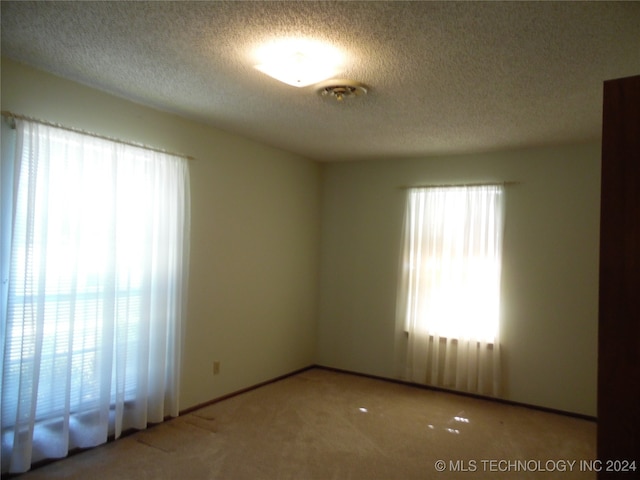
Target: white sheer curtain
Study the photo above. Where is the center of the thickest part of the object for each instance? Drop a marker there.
(449, 295)
(91, 319)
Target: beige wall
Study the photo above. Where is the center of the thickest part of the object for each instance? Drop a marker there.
(550, 273)
(254, 240)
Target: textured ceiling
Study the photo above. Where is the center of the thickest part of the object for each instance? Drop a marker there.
(448, 77)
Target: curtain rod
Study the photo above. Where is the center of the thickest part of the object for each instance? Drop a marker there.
(447, 185)
(12, 116)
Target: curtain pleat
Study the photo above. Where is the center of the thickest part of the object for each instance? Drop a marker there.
(92, 325)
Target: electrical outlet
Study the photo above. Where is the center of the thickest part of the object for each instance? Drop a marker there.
(216, 367)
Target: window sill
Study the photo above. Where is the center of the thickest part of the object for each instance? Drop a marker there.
(454, 340)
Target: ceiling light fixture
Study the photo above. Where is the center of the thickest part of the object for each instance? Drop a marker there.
(341, 89)
(298, 62)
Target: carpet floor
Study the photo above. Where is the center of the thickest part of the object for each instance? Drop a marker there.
(321, 424)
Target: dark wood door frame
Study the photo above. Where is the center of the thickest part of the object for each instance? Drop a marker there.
(618, 441)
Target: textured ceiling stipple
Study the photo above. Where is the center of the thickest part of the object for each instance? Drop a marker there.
(443, 77)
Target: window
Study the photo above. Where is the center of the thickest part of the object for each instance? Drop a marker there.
(450, 280)
(92, 311)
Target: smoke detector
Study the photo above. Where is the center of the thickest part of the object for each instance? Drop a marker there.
(341, 89)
